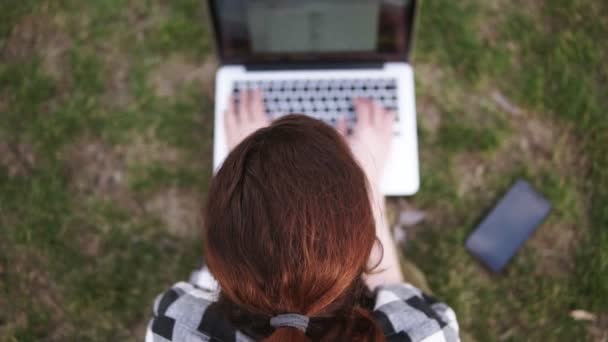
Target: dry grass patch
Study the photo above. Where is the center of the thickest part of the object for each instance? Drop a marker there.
(179, 210)
(177, 71)
(32, 287)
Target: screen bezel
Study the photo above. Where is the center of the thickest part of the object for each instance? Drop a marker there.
(321, 58)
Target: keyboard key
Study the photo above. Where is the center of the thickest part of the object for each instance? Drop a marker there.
(325, 99)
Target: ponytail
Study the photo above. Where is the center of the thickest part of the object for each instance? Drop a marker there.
(364, 326)
(287, 334)
(360, 326)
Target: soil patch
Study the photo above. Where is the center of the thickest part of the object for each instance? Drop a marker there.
(98, 169)
(103, 171)
(17, 159)
(145, 148)
(599, 328)
(35, 283)
(117, 93)
(180, 210)
(40, 34)
(176, 72)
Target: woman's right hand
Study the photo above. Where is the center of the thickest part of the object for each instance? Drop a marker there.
(371, 137)
(245, 118)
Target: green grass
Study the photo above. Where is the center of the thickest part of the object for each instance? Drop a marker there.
(557, 74)
(86, 145)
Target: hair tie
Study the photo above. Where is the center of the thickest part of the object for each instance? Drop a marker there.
(290, 320)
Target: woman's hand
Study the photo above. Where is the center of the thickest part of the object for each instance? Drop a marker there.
(371, 137)
(370, 143)
(245, 118)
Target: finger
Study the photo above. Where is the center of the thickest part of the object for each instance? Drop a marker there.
(362, 111)
(250, 114)
(377, 113)
(371, 108)
(243, 106)
(230, 121)
(229, 113)
(257, 105)
(389, 117)
(341, 125)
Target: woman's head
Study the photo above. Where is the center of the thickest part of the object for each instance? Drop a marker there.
(289, 227)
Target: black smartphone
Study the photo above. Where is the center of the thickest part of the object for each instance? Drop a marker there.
(508, 225)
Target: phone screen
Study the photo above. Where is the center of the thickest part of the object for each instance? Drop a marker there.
(508, 226)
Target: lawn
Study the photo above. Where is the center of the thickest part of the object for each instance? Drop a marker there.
(106, 119)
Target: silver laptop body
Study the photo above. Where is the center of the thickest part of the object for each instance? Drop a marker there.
(313, 57)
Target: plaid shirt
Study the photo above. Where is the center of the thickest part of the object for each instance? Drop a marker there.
(188, 312)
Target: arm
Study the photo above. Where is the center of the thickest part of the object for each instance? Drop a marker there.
(388, 270)
(370, 144)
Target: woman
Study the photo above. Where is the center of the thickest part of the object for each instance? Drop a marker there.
(296, 238)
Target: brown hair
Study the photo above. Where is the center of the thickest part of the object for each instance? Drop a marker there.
(289, 229)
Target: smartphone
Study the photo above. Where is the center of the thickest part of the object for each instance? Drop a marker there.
(500, 235)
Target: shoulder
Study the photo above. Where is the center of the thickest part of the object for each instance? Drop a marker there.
(186, 312)
(407, 314)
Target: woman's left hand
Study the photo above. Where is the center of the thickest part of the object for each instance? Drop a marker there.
(244, 118)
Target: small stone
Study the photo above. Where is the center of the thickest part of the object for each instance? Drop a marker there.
(582, 315)
(410, 218)
(117, 176)
(399, 234)
(505, 104)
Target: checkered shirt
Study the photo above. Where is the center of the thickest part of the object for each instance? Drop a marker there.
(189, 312)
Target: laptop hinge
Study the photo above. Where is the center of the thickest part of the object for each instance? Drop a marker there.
(313, 66)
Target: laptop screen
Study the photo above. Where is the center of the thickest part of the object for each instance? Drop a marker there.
(250, 31)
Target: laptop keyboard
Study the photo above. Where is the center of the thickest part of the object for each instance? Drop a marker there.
(326, 99)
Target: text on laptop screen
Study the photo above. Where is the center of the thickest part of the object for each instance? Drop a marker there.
(292, 30)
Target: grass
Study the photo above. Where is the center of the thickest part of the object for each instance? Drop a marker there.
(94, 153)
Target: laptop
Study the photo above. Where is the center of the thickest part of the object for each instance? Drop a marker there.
(313, 57)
